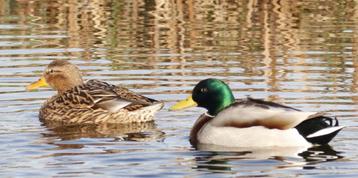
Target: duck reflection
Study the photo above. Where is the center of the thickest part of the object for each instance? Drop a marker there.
(146, 131)
(322, 153)
(223, 159)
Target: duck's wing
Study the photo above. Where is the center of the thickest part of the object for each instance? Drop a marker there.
(254, 112)
(114, 98)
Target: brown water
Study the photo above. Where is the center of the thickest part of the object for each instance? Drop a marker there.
(299, 53)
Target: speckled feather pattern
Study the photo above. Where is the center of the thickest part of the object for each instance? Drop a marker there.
(80, 105)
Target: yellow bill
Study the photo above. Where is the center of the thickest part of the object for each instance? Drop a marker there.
(187, 103)
(40, 83)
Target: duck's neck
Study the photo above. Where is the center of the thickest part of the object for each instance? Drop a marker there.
(64, 85)
(225, 99)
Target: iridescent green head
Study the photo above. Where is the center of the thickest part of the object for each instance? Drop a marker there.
(212, 94)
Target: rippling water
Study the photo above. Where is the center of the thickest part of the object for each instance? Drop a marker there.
(300, 53)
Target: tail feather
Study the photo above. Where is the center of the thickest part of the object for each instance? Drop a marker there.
(319, 130)
(153, 108)
(324, 136)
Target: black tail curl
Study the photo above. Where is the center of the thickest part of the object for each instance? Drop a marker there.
(313, 125)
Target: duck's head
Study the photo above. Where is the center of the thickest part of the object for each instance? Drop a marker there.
(60, 75)
(212, 94)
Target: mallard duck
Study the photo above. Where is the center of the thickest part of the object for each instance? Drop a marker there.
(252, 122)
(91, 102)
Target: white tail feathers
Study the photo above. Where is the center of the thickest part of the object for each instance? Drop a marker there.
(325, 131)
(153, 108)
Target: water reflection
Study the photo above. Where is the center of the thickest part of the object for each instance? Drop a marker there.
(218, 159)
(299, 53)
(320, 154)
(124, 30)
(146, 131)
(77, 140)
(256, 153)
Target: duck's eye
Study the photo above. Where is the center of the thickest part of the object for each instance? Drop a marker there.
(204, 90)
(50, 71)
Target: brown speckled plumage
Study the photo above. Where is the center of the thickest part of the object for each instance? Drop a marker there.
(94, 101)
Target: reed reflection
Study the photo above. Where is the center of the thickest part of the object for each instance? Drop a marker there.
(279, 46)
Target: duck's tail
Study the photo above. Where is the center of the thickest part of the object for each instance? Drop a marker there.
(319, 130)
(147, 112)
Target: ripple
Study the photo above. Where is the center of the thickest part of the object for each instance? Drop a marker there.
(300, 53)
(37, 51)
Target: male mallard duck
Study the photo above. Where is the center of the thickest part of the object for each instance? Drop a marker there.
(252, 122)
(90, 102)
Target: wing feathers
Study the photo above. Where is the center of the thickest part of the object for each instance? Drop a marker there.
(250, 112)
(98, 94)
(113, 105)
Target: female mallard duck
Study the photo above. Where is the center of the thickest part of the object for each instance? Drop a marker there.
(252, 122)
(91, 102)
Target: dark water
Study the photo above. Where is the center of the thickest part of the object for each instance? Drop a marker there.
(300, 53)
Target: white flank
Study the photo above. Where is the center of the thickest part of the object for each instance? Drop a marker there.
(257, 136)
(325, 131)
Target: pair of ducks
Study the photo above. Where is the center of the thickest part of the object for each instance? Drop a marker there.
(229, 122)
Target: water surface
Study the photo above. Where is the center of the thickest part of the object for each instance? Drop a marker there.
(299, 53)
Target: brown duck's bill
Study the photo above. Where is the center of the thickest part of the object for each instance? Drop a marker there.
(40, 83)
(187, 103)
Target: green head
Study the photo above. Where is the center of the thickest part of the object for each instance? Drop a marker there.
(212, 94)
